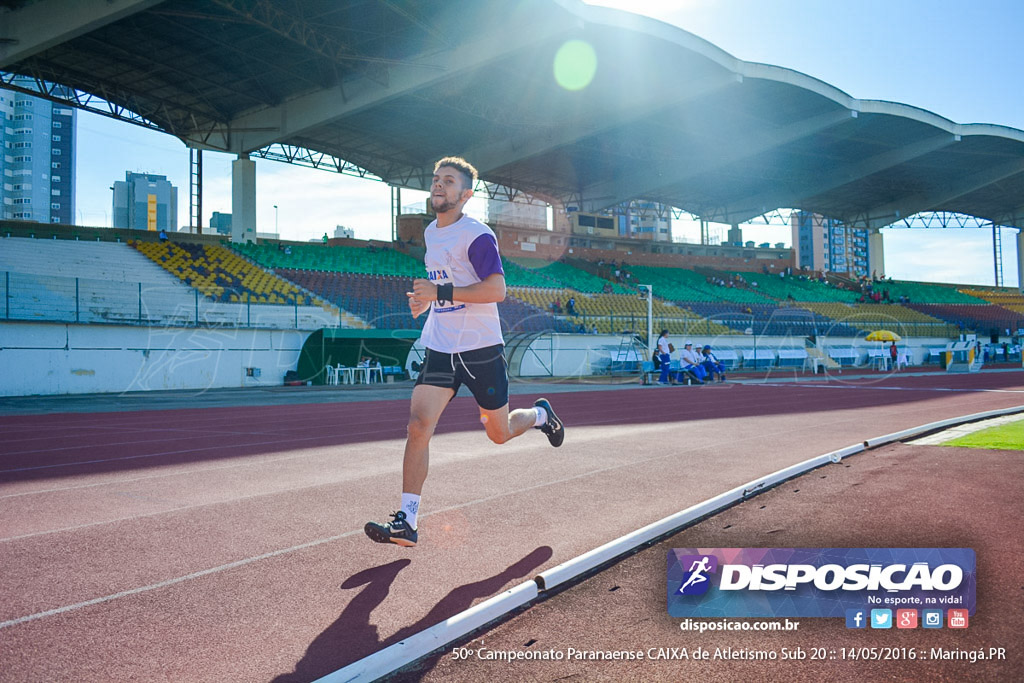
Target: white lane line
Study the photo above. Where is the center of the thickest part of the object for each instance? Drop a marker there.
(197, 470)
(173, 509)
(397, 424)
(618, 419)
(297, 422)
(171, 582)
(311, 544)
(218, 447)
(188, 435)
(877, 388)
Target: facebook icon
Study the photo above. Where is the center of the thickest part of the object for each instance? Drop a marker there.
(856, 618)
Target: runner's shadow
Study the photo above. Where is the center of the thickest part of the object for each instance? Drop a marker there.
(352, 636)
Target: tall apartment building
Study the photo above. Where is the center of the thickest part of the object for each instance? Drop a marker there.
(646, 221)
(641, 220)
(37, 165)
(145, 201)
(827, 244)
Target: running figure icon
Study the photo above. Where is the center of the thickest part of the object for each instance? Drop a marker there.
(697, 570)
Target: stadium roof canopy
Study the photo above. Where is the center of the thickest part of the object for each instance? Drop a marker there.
(392, 85)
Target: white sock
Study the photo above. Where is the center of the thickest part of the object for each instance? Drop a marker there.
(542, 417)
(411, 507)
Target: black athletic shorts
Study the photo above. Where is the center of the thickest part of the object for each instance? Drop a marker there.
(484, 371)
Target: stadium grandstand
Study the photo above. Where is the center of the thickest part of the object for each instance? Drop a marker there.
(197, 425)
(362, 287)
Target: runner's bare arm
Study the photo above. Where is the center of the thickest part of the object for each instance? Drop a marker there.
(491, 290)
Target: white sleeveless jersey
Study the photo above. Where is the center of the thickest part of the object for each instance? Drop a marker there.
(463, 253)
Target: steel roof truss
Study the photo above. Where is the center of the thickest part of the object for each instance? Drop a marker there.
(750, 207)
(38, 26)
(538, 140)
(614, 192)
(323, 107)
(939, 196)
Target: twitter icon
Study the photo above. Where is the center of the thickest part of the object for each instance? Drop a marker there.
(881, 618)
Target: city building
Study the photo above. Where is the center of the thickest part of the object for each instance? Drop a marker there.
(642, 220)
(220, 223)
(646, 221)
(37, 166)
(826, 244)
(145, 201)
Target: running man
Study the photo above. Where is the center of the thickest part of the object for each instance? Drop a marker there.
(463, 339)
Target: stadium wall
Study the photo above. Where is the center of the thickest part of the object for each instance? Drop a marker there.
(547, 354)
(53, 359)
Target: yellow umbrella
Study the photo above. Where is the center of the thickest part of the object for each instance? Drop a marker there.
(883, 336)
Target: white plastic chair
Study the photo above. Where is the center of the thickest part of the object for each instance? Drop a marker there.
(332, 374)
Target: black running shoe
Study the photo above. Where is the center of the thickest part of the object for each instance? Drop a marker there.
(553, 427)
(396, 531)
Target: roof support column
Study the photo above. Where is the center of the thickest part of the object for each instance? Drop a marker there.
(876, 253)
(243, 199)
(997, 254)
(1020, 260)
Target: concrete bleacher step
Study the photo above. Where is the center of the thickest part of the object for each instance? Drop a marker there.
(351, 320)
(106, 261)
(822, 358)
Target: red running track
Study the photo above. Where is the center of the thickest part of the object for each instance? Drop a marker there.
(226, 544)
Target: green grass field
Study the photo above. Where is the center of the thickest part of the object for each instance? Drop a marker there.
(1008, 437)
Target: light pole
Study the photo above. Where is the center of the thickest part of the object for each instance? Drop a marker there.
(275, 223)
(650, 317)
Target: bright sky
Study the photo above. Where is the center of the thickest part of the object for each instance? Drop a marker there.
(960, 60)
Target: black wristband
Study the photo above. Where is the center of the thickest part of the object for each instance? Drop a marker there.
(445, 293)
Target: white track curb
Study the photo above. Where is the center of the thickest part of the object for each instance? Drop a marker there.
(394, 657)
(572, 569)
(941, 424)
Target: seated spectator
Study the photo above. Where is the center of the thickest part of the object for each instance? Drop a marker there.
(664, 357)
(163, 236)
(570, 306)
(712, 365)
(690, 362)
